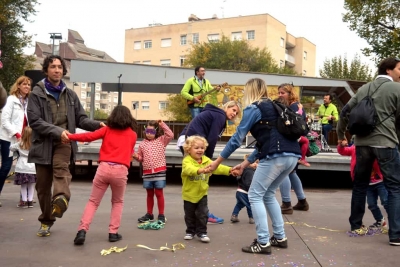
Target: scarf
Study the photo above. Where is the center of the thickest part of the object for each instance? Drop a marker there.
(53, 88)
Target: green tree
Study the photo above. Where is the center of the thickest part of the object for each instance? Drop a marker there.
(176, 109)
(338, 68)
(378, 22)
(14, 39)
(98, 114)
(233, 55)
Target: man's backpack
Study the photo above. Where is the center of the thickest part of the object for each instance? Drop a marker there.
(363, 118)
(289, 123)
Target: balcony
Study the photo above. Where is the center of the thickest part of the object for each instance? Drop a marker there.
(104, 101)
(289, 60)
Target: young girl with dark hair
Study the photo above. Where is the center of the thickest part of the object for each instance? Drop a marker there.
(119, 139)
(151, 154)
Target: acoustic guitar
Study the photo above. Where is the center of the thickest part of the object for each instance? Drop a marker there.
(201, 97)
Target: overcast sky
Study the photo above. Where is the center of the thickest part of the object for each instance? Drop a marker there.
(102, 23)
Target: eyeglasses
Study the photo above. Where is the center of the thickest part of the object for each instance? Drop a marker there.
(150, 131)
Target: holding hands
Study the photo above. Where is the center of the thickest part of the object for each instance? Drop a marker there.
(64, 137)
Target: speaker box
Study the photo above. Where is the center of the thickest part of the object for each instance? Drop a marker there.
(35, 75)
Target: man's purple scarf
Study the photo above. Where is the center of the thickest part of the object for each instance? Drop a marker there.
(53, 88)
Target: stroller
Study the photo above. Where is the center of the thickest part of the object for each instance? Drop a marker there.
(316, 135)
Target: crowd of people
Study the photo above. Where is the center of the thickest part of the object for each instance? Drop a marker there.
(39, 125)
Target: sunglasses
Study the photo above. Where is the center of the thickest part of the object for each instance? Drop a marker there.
(150, 131)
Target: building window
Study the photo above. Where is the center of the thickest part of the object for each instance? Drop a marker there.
(87, 94)
(146, 62)
(165, 62)
(115, 99)
(213, 38)
(97, 106)
(305, 54)
(98, 87)
(281, 64)
(83, 85)
(145, 105)
(83, 94)
(103, 106)
(109, 107)
(282, 42)
(147, 44)
(195, 39)
(182, 60)
(137, 45)
(251, 35)
(162, 105)
(166, 42)
(236, 36)
(183, 39)
(304, 72)
(135, 104)
(136, 62)
(97, 96)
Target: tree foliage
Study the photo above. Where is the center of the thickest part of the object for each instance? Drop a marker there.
(233, 55)
(98, 114)
(14, 39)
(176, 109)
(338, 68)
(378, 22)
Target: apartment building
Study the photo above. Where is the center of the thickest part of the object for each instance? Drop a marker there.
(167, 45)
(75, 48)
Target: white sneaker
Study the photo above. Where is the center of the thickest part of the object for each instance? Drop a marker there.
(188, 237)
(204, 239)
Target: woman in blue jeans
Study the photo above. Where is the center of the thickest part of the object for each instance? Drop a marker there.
(277, 156)
(13, 120)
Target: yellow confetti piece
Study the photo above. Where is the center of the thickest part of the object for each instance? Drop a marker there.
(312, 226)
(105, 252)
(173, 249)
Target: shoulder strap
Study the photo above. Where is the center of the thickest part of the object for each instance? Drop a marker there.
(376, 88)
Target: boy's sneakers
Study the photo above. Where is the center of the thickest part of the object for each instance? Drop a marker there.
(161, 218)
(60, 205)
(378, 225)
(30, 204)
(44, 230)
(22, 204)
(212, 219)
(358, 232)
(282, 243)
(146, 218)
(258, 248)
(80, 237)
(188, 237)
(234, 218)
(204, 238)
(395, 242)
(251, 221)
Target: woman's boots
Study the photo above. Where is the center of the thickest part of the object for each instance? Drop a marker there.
(287, 208)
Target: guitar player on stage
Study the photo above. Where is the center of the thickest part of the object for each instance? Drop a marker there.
(197, 90)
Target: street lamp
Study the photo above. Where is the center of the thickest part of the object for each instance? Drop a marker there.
(54, 36)
(119, 90)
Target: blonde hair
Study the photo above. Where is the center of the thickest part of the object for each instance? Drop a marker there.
(289, 89)
(254, 90)
(14, 88)
(190, 142)
(26, 138)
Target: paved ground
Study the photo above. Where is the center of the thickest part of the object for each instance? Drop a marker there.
(308, 246)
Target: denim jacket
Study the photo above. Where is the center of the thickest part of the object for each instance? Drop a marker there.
(251, 115)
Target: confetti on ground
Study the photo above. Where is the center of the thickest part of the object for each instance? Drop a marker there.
(105, 252)
(312, 226)
(173, 249)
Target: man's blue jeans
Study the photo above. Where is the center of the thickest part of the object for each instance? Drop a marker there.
(195, 111)
(374, 191)
(389, 163)
(294, 181)
(326, 128)
(6, 162)
(267, 178)
(242, 200)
